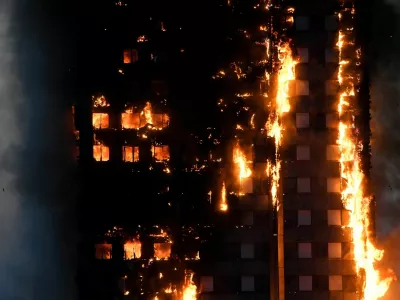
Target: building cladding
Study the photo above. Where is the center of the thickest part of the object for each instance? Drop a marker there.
(317, 245)
(302, 251)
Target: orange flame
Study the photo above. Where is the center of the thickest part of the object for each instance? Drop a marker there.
(354, 199)
(223, 206)
(189, 288)
(242, 163)
(147, 113)
(273, 126)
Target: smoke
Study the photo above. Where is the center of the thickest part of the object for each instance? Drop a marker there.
(36, 163)
(385, 127)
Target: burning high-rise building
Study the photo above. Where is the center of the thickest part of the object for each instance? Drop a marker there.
(227, 159)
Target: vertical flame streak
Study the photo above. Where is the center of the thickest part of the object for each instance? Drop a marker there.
(147, 113)
(242, 164)
(223, 206)
(273, 126)
(353, 196)
(189, 289)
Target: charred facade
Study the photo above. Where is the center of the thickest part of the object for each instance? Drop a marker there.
(211, 154)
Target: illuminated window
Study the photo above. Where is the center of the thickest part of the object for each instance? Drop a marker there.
(246, 185)
(302, 120)
(130, 56)
(303, 152)
(160, 120)
(301, 23)
(333, 185)
(207, 283)
(332, 120)
(304, 217)
(247, 218)
(303, 185)
(331, 23)
(162, 250)
(101, 153)
(332, 152)
(130, 120)
(331, 56)
(303, 55)
(331, 87)
(334, 250)
(130, 154)
(247, 283)
(304, 250)
(133, 249)
(302, 88)
(160, 153)
(247, 251)
(334, 217)
(100, 120)
(103, 251)
(335, 283)
(305, 283)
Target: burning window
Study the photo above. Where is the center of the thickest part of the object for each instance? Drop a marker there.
(103, 251)
(101, 152)
(130, 56)
(100, 120)
(162, 250)
(160, 153)
(160, 120)
(100, 101)
(130, 154)
(146, 116)
(133, 249)
(130, 119)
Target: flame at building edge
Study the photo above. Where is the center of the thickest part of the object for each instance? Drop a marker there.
(354, 197)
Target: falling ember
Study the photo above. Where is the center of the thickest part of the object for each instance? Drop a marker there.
(223, 206)
(354, 198)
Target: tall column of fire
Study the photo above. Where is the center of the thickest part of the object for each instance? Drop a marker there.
(373, 285)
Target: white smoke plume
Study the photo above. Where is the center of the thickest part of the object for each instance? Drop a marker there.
(36, 168)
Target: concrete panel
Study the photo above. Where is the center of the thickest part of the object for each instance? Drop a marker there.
(247, 235)
(303, 168)
(321, 266)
